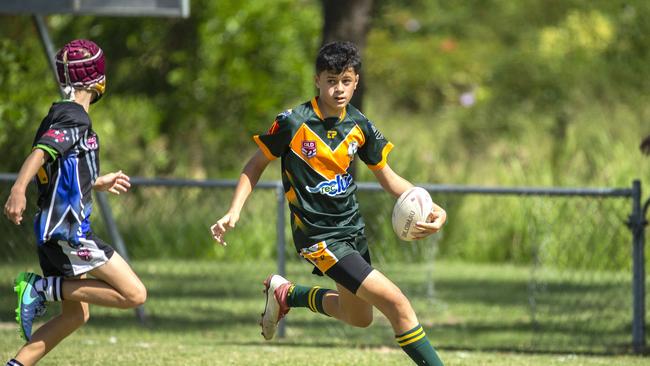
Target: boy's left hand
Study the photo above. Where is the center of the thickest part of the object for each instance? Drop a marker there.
(434, 223)
(113, 182)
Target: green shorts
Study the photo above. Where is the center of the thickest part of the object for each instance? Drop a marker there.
(345, 261)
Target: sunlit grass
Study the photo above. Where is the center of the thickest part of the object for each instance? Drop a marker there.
(205, 313)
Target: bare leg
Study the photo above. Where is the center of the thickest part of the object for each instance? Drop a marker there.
(73, 315)
(377, 290)
(347, 307)
(116, 286)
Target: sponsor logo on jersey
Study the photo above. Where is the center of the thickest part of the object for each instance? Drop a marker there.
(85, 254)
(308, 148)
(331, 134)
(42, 176)
(333, 187)
(376, 132)
(56, 135)
(92, 142)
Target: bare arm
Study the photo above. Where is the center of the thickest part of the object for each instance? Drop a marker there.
(17, 201)
(396, 185)
(391, 182)
(247, 181)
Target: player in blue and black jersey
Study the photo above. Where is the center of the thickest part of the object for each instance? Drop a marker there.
(65, 162)
(316, 142)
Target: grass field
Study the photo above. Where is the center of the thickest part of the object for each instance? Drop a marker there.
(205, 313)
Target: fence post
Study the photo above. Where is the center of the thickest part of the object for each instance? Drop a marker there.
(637, 223)
(116, 238)
(46, 41)
(281, 243)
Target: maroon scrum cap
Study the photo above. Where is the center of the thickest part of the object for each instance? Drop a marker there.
(80, 64)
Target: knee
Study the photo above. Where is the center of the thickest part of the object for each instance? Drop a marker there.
(136, 296)
(400, 303)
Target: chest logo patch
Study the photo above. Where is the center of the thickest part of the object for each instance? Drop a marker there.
(331, 134)
(308, 148)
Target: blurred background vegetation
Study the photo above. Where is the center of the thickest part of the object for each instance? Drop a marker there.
(489, 92)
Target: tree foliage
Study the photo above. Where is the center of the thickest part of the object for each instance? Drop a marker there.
(483, 92)
(185, 94)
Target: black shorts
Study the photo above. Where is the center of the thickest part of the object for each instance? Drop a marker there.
(59, 258)
(345, 261)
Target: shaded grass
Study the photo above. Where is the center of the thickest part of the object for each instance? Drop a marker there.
(206, 313)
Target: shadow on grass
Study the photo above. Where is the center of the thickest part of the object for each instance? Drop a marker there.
(208, 297)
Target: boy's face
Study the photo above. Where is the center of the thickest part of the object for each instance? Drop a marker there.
(336, 90)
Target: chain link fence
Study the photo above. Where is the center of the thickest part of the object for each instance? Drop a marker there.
(527, 270)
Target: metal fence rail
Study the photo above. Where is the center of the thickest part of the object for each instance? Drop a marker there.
(560, 296)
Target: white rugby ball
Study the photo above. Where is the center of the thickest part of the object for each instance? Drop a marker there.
(412, 206)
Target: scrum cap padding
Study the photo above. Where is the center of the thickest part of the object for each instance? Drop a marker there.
(80, 64)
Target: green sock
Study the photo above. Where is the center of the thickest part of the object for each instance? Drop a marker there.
(416, 344)
(307, 297)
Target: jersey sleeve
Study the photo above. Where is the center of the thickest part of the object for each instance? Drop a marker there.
(275, 142)
(374, 151)
(63, 134)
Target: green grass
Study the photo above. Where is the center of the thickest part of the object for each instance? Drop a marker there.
(206, 313)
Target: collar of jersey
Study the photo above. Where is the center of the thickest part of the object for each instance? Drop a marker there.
(314, 105)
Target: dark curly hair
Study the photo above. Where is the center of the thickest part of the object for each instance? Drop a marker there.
(337, 57)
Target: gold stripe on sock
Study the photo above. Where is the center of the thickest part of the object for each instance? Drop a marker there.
(409, 335)
(311, 299)
(412, 340)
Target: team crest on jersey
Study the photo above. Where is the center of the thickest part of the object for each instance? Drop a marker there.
(352, 149)
(331, 134)
(336, 186)
(57, 135)
(308, 148)
(91, 142)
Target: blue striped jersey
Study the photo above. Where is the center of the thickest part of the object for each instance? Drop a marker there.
(65, 181)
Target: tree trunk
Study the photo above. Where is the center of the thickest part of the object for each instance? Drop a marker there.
(348, 20)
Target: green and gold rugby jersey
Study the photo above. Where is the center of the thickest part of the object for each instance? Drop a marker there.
(316, 155)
